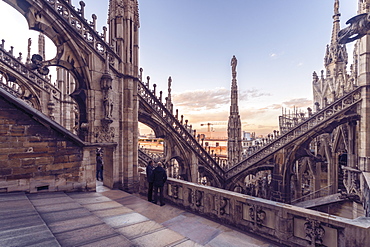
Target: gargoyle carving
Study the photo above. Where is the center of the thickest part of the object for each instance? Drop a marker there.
(359, 26)
(37, 63)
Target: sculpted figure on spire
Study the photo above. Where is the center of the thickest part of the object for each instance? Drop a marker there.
(336, 7)
(234, 62)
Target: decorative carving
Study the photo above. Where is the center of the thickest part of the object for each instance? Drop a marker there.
(190, 196)
(175, 191)
(198, 198)
(106, 86)
(359, 26)
(257, 215)
(314, 231)
(104, 133)
(38, 64)
(223, 204)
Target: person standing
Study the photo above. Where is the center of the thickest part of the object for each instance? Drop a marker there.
(159, 178)
(99, 167)
(150, 179)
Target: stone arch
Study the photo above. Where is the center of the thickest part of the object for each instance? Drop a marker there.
(21, 88)
(207, 177)
(72, 52)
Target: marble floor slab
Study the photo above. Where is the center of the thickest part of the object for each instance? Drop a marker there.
(108, 218)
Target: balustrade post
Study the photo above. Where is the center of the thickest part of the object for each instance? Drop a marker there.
(104, 36)
(93, 23)
(147, 81)
(81, 11)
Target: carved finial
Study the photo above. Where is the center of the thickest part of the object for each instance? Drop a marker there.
(154, 90)
(169, 93)
(51, 105)
(141, 74)
(11, 50)
(315, 77)
(41, 44)
(2, 43)
(93, 23)
(20, 57)
(104, 36)
(82, 10)
(147, 81)
(29, 50)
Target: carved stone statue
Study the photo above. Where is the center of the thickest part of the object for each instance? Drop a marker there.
(359, 26)
(234, 62)
(106, 86)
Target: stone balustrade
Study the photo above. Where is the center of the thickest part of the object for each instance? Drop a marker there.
(39, 81)
(283, 223)
(87, 30)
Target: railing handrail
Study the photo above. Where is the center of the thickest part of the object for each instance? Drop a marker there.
(312, 193)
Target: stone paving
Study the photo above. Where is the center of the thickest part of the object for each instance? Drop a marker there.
(108, 218)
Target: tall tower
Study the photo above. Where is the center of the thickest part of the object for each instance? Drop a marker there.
(234, 141)
(334, 83)
(363, 51)
(123, 21)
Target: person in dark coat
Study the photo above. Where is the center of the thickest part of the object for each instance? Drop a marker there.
(150, 178)
(159, 178)
(99, 167)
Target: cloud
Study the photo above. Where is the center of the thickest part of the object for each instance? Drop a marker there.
(300, 103)
(293, 103)
(212, 106)
(273, 55)
(202, 99)
(212, 99)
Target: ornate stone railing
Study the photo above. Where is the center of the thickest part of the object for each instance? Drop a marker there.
(316, 120)
(187, 138)
(76, 20)
(282, 223)
(146, 156)
(32, 77)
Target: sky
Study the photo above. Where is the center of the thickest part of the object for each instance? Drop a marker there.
(278, 45)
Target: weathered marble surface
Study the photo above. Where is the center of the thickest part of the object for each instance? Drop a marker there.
(107, 218)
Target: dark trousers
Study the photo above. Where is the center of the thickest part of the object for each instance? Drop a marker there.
(160, 194)
(150, 192)
(99, 174)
